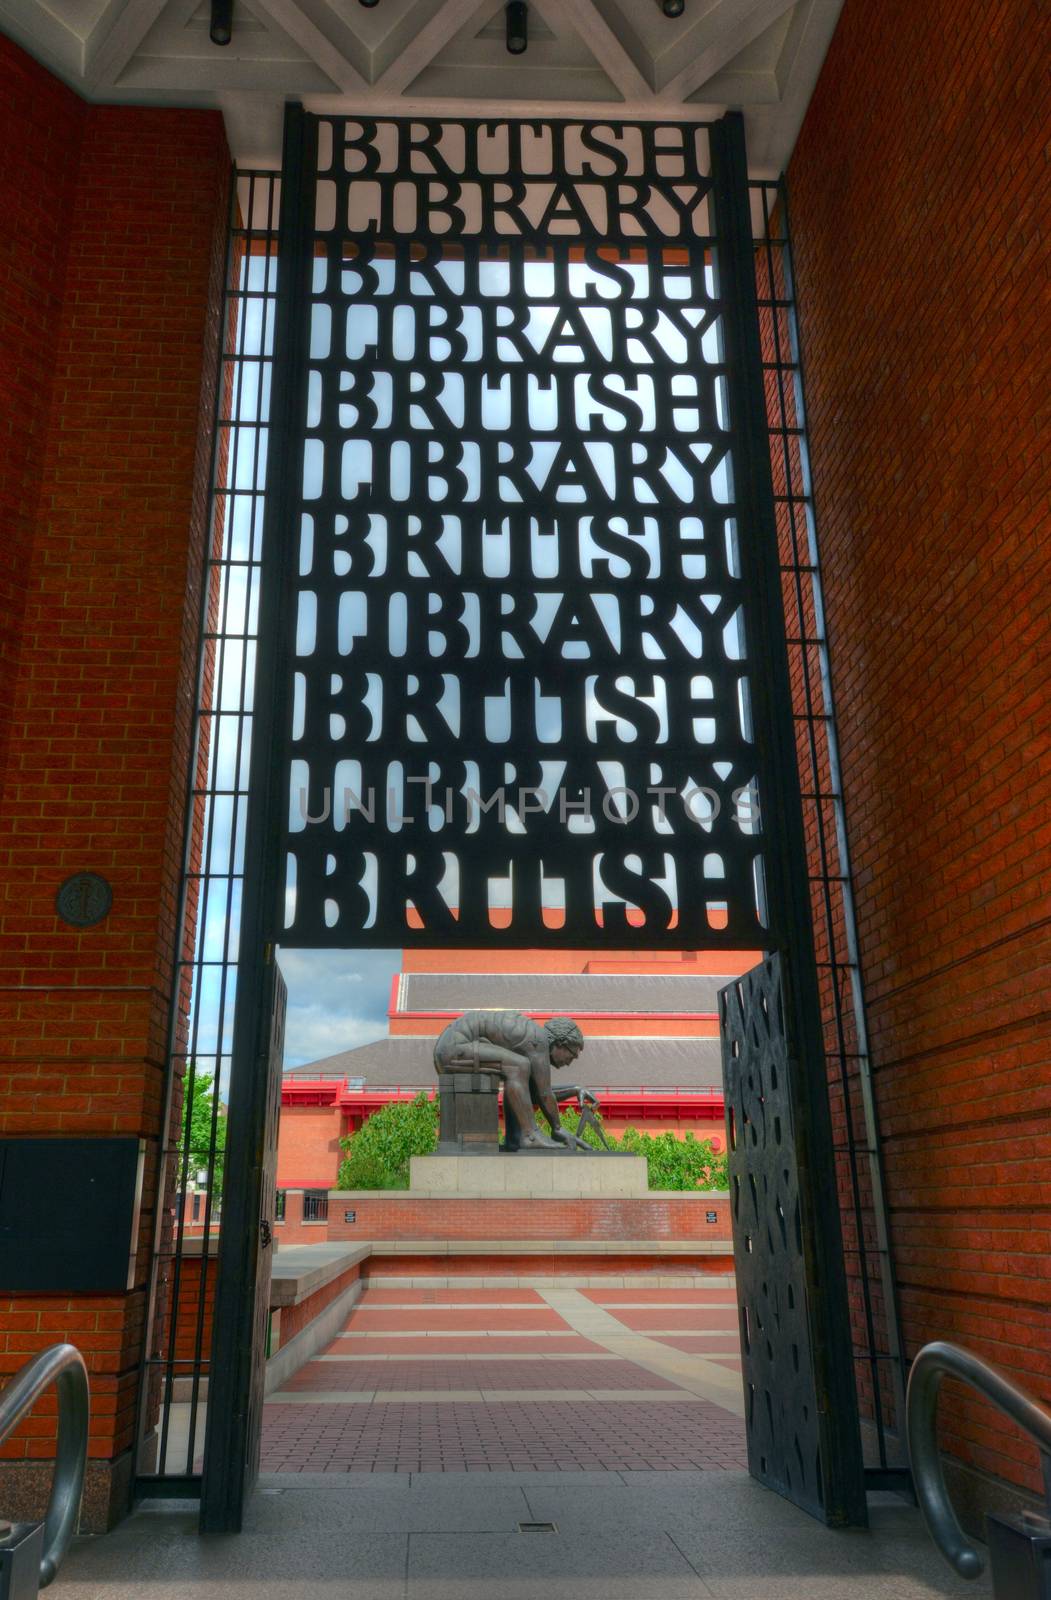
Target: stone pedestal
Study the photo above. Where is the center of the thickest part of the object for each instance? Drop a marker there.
(566, 1175)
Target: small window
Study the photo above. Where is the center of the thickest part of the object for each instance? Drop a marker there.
(315, 1205)
(279, 1206)
(196, 1208)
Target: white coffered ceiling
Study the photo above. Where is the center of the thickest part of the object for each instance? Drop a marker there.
(599, 57)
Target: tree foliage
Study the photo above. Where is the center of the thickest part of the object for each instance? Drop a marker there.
(377, 1156)
(198, 1109)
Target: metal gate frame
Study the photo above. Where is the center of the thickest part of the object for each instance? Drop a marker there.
(786, 859)
(788, 889)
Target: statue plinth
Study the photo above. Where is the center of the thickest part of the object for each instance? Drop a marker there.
(468, 1116)
(563, 1173)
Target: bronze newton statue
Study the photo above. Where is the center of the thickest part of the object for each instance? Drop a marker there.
(511, 1047)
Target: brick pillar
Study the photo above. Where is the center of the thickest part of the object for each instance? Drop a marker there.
(109, 313)
(918, 192)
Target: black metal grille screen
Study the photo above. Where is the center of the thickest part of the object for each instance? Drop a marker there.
(519, 700)
(788, 1425)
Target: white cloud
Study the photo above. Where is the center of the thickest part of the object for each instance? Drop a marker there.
(337, 999)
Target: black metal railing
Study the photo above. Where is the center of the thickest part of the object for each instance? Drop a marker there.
(315, 1207)
(935, 1362)
(63, 1366)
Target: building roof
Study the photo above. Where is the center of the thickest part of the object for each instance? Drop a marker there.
(558, 992)
(603, 1064)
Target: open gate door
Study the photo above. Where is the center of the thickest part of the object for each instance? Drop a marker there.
(800, 1404)
(242, 1301)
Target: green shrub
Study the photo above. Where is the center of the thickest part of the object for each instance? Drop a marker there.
(377, 1156)
(671, 1163)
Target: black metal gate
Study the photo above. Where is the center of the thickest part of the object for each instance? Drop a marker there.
(242, 1299)
(801, 1410)
(520, 563)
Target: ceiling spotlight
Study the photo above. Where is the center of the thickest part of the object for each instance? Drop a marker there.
(673, 8)
(517, 26)
(369, 3)
(222, 24)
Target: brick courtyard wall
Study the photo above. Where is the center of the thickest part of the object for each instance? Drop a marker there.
(918, 197)
(295, 1318)
(389, 1215)
(293, 1229)
(108, 299)
(551, 1263)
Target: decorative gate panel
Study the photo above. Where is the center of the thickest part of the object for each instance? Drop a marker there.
(517, 700)
(802, 1434)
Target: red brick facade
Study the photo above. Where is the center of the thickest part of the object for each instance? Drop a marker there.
(308, 1152)
(114, 232)
(917, 192)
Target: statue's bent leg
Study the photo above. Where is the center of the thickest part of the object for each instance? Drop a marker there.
(518, 1095)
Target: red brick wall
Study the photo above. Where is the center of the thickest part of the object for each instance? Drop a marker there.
(192, 1304)
(386, 1216)
(108, 300)
(918, 197)
(37, 113)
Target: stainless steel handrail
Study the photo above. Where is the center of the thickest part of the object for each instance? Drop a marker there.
(63, 1366)
(935, 1362)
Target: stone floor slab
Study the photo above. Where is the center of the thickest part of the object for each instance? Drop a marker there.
(162, 1557)
(427, 1507)
(634, 1535)
(536, 1566)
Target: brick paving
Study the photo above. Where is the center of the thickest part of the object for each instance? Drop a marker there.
(663, 1319)
(464, 1345)
(438, 1429)
(440, 1319)
(481, 1374)
(664, 1297)
(448, 1297)
(471, 1436)
(695, 1345)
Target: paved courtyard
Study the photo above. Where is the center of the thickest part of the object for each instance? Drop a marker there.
(509, 1441)
(507, 1376)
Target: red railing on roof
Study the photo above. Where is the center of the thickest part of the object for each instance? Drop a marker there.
(586, 1016)
(642, 1102)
